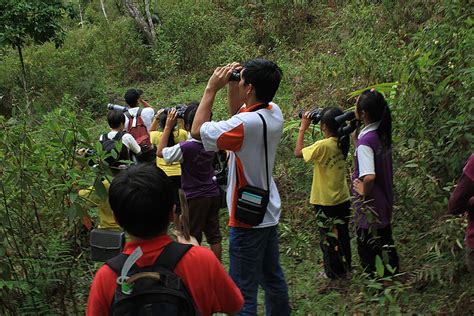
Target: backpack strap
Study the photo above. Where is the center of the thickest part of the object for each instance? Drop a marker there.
(169, 257)
(105, 137)
(127, 114)
(172, 254)
(139, 112)
(117, 262)
(119, 135)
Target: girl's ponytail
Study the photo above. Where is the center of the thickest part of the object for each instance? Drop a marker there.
(385, 128)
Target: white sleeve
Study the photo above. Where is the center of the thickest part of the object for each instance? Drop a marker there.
(172, 154)
(226, 135)
(147, 116)
(131, 143)
(366, 160)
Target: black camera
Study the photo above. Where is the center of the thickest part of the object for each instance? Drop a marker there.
(180, 109)
(346, 117)
(235, 75)
(314, 115)
(117, 107)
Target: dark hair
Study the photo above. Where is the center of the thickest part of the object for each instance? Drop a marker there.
(115, 118)
(190, 113)
(162, 124)
(265, 77)
(132, 96)
(141, 198)
(373, 103)
(327, 118)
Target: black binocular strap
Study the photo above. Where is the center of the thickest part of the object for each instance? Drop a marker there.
(266, 149)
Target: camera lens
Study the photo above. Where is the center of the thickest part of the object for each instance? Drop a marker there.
(347, 116)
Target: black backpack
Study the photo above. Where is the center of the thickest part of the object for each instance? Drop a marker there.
(110, 145)
(157, 290)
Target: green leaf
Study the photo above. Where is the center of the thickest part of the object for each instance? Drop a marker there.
(83, 132)
(379, 266)
(100, 188)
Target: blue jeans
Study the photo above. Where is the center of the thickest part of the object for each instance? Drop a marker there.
(254, 260)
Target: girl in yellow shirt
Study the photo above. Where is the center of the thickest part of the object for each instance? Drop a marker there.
(329, 191)
(173, 171)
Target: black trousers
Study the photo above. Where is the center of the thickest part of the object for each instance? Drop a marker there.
(176, 186)
(335, 241)
(377, 242)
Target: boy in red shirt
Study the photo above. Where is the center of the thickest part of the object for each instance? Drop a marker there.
(142, 201)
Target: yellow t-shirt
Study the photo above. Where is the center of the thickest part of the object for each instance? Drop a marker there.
(106, 215)
(175, 168)
(329, 176)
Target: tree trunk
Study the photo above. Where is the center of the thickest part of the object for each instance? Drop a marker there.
(23, 77)
(103, 10)
(80, 14)
(147, 29)
(150, 21)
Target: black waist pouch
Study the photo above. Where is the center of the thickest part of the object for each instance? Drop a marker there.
(251, 205)
(106, 244)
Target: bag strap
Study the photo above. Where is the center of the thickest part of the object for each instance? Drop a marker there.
(119, 135)
(139, 113)
(169, 257)
(172, 254)
(105, 137)
(266, 149)
(262, 106)
(116, 263)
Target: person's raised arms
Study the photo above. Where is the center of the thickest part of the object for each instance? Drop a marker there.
(156, 120)
(233, 95)
(144, 103)
(305, 122)
(170, 123)
(218, 80)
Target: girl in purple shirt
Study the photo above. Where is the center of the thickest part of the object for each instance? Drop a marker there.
(197, 172)
(373, 183)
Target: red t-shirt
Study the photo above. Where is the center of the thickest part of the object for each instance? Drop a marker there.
(210, 286)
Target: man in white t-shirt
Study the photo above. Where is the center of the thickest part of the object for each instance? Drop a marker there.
(133, 99)
(116, 120)
(254, 253)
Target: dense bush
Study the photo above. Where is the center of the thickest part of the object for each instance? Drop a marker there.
(41, 255)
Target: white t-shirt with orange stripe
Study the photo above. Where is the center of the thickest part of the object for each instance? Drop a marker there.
(242, 135)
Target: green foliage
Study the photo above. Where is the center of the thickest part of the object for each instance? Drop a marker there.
(192, 30)
(40, 229)
(39, 21)
(436, 105)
